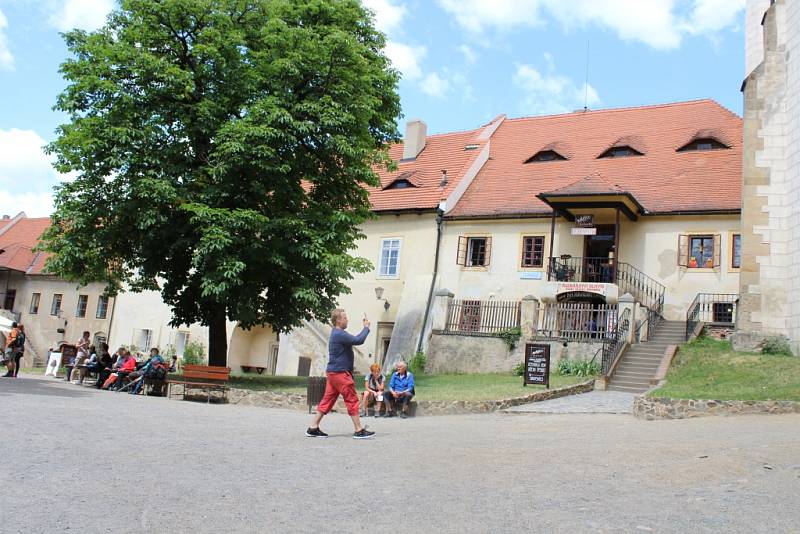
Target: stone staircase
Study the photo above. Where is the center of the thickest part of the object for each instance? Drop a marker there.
(640, 363)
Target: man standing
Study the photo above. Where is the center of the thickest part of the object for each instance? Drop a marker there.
(401, 390)
(340, 376)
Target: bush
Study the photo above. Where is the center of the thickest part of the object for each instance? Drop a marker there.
(417, 363)
(519, 369)
(778, 345)
(578, 367)
(194, 354)
(510, 337)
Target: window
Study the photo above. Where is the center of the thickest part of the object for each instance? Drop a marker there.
(55, 307)
(80, 309)
(706, 143)
(403, 181)
(699, 251)
(400, 184)
(143, 339)
(736, 251)
(272, 360)
(722, 312)
(620, 152)
(181, 340)
(35, 298)
(389, 265)
(474, 251)
(102, 307)
(8, 302)
(532, 251)
(545, 155)
(470, 316)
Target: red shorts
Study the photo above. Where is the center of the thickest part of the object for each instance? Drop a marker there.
(339, 383)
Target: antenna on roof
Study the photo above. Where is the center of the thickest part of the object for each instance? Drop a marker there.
(586, 81)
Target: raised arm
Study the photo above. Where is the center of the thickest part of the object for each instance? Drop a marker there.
(358, 339)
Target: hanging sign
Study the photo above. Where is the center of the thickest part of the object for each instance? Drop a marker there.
(537, 365)
(584, 231)
(584, 221)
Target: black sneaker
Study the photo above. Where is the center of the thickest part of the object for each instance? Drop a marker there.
(390, 414)
(403, 415)
(363, 434)
(315, 433)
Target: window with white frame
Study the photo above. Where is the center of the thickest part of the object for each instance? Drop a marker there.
(55, 307)
(143, 339)
(35, 303)
(102, 307)
(80, 309)
(389, 264)
(181, 340)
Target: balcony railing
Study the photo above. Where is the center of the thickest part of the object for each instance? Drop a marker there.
(719, 309)
(576, 321)
(482, 317)
(579, 269)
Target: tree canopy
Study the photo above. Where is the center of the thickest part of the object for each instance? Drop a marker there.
(221, 148)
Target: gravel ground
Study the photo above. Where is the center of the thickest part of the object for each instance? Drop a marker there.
(592, 402)
(91, 461)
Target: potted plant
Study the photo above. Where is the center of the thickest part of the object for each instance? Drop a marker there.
(710, 263)
(692, 262)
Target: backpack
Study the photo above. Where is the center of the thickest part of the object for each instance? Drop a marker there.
(19, 342)
(157, 371)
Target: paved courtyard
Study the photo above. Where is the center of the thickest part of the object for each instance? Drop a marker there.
(80, 460)
(592, 402)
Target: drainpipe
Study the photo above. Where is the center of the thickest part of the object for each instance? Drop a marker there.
(439, 220)
(111, 320)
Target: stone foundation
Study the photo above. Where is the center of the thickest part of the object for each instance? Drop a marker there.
(297, 401)
(665, 408)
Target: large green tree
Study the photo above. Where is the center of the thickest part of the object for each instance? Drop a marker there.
(220, 149)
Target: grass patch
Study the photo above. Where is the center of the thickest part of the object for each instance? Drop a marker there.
(709, 369)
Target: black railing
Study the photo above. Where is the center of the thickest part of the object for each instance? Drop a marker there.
(481, 317)
(578, 269)
(615, 342)
(719, 309)
(647, 291)
(576, 321)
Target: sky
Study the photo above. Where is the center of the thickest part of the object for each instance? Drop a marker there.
(463, 62)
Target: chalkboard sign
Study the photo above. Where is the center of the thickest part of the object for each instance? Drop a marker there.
(68, 351)
(537, 365)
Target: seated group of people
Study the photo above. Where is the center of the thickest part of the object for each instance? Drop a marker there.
(117, 371)
(398, 395)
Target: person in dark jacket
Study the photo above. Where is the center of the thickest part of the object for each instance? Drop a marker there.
(340, 375)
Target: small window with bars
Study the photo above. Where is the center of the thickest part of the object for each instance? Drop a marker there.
(474, 251)
(532, 251)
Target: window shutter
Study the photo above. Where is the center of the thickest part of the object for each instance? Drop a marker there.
(461, 255)
(717, 251)
(683, 250)
(488, 259)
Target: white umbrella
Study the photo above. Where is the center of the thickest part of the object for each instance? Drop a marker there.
(5, 325)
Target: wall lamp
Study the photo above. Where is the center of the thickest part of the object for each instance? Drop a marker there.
(379, 296)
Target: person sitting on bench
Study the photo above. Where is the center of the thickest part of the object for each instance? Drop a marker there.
(401, 390)
(373, 389)
(153, 368)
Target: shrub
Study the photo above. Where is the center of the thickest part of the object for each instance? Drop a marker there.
(578, 367)
(519, 369)
(194, 354)
(510, 337)
(776, 345)
(417, 363)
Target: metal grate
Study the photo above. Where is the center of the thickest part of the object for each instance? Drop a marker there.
(481, 317)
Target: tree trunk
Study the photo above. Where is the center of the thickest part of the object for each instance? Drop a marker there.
(218, 338)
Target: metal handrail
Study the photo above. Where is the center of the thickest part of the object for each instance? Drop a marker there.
(614, 344)
(711, 307)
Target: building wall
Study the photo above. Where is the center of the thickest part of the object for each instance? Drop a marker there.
(649, 244)
(754, 38)
(41, 328)
(771, 184)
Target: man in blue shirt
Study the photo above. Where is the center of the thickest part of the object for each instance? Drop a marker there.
(340, 376)
(401, 390)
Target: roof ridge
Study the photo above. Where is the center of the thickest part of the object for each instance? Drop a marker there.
(626, 108)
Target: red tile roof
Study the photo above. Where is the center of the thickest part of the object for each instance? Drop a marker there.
(18, 237)
(662, 180)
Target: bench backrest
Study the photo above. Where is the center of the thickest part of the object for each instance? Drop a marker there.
(207, 372)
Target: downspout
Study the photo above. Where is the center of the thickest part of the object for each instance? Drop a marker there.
(439, 220)
(111, 320)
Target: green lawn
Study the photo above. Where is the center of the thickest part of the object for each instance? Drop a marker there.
(709, 369)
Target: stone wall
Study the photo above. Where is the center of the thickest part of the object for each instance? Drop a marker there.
(480, 354)
(664, 408)
(297, 401)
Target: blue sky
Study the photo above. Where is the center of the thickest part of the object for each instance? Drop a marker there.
(463, 63)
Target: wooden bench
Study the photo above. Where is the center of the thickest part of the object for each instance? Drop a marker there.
(250, 368)
(205, 377)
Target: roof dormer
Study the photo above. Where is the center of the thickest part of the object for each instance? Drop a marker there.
(703, 143)
(545, 155)
(623, 151)
(403, 181)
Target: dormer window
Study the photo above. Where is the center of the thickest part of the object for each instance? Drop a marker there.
(545, 155)
(706, 143)
(620, 152)
(403, 181)
(400, 184)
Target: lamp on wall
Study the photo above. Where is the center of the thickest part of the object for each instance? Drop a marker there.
(379, 296)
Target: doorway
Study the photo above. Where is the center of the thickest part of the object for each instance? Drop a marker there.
(598, 255)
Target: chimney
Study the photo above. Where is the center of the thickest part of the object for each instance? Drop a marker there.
(414, 141)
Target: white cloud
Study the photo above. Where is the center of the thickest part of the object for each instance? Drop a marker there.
(388, 14)
(434, 85)
(6, 58)
(88, 15)
(406, 58)
(660, 24)
(469, 54)
(27, 176)
(552, 92)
